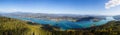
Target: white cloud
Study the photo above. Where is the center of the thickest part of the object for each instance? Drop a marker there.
(112, 3)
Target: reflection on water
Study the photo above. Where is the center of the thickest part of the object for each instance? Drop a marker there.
(110, 18)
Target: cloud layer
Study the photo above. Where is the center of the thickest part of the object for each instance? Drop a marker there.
(112, 3)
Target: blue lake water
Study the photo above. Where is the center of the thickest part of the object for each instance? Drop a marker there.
(64, 24)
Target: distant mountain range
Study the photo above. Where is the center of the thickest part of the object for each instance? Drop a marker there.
(56, 16)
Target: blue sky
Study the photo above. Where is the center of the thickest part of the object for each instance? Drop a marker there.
(58, 6)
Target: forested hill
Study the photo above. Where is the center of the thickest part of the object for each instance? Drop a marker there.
(11, 26)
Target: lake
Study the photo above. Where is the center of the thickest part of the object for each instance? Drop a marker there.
(64, 24)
